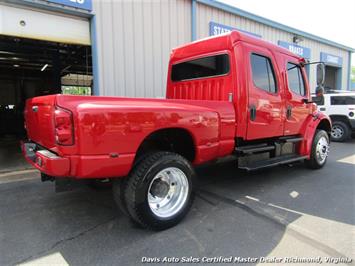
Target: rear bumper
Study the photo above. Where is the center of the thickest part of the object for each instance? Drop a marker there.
(77, 166)
(46, 161)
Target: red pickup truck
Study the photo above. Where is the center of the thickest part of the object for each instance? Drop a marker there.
(227, 95)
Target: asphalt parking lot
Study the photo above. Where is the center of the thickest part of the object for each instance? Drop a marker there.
(288, 211)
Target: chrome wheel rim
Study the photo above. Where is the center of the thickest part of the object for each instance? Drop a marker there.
(322, 150)
(337, 132)
(168, 192)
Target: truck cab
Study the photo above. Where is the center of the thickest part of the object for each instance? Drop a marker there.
(267, 85)
(230, 95)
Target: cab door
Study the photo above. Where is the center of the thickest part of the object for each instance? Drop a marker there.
(264, 100)
(297, 108)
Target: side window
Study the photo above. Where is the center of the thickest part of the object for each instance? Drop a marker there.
(295, 79)
(263, 73)
(201, 68)
(342, 100)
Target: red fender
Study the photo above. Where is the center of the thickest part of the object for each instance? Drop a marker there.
(317, 120)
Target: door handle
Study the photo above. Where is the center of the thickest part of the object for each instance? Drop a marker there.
(322, 109)
(289, 112)
(252, 112)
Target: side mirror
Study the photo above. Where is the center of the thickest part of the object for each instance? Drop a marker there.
(320, 74)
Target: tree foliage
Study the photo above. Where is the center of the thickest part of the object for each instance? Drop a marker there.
(75, 90)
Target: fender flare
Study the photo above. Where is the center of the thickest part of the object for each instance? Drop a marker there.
(315, 121)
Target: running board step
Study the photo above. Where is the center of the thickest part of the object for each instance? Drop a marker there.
(254, 148)
(285, 159)
(291, 139)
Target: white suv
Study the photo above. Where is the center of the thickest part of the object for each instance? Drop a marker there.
(340, 107)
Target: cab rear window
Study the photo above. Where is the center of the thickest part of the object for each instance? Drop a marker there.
(209, 66)
(342, 100)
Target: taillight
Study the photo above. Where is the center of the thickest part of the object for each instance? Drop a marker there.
(63, 122)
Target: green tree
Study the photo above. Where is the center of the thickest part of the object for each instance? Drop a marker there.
(75, 90)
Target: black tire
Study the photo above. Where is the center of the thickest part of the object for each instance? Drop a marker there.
(314, 162)
(119, 186)
(138, 186)
(343, 131)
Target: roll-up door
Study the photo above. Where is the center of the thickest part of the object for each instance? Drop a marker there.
(40, 25)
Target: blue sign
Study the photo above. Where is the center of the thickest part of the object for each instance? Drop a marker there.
(330, 59)
(82, 4)
(296, 49)
(216, 29)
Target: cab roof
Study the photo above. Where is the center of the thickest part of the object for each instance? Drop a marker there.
(223, 42)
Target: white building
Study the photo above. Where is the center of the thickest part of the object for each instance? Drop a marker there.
(134, 41)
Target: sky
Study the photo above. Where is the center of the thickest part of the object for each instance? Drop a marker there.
(333, 20)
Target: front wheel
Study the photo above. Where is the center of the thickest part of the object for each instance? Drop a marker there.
(158, 192)
(320, 150)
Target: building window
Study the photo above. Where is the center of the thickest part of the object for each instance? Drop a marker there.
(209, 66)
(263, 73)
(342, 100)
(295, 79)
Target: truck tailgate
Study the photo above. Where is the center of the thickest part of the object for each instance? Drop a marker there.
(39, 120)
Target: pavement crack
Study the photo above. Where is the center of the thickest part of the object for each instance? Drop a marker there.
(240, 204)
(206, 199)
(60, 242)
(192, 236)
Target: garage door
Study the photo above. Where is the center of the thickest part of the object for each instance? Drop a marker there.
(27, 23)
